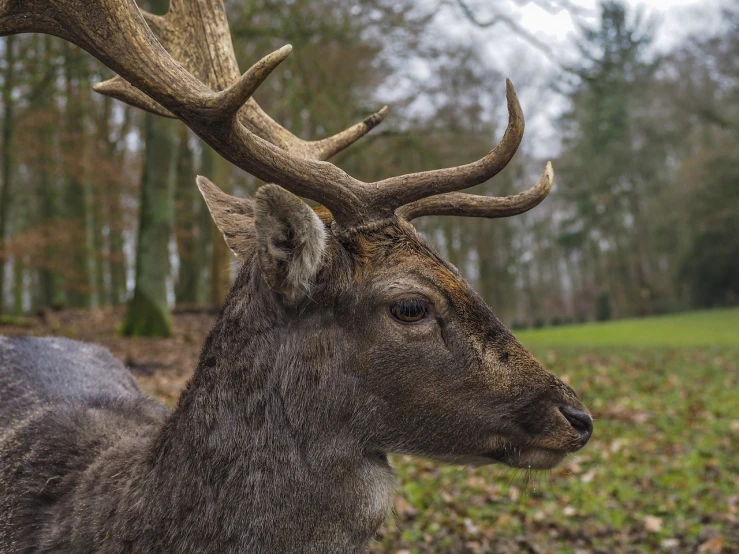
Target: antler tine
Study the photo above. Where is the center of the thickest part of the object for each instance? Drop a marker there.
(235, 96)
(402, 190)
(473, 205)
(122, 90)
(207, 53)
(320, 150)
(325, 148)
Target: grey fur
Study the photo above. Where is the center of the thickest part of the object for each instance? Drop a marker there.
(278, 443)
(38, 371)
(241, 466)
(233, 216)
(291, 240)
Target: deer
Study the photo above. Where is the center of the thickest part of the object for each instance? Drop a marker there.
(345, 338)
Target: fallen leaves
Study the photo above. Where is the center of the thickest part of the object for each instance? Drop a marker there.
(653, 524)
(661, 474)
(712, 546)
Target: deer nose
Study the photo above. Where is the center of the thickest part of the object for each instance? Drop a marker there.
(580, 421)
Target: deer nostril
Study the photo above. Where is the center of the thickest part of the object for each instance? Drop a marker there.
(580, 421)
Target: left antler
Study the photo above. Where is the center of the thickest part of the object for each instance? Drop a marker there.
(206, 93)
(206, 51)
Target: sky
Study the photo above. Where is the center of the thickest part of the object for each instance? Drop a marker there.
(676, 18)
(524, 63)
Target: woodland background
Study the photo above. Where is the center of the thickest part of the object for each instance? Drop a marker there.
(642, 219)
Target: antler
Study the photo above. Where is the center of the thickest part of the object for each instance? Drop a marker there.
(116, 32)
(207, 52)
(475, 205)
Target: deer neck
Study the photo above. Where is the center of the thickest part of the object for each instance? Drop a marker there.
(259, 441)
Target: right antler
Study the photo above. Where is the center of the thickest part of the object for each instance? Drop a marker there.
(115, 32)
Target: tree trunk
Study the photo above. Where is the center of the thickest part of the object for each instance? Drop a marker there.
(79, 287)
(111, 198)
(7, 154)
(98, 245)
(148, 312)
(50, 282)
(19, 285)
(187, 230)
(220, 276)
(203, 245)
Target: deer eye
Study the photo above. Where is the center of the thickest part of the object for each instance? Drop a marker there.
(410, 310)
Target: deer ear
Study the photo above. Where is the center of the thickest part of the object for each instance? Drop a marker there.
(233, 216)
(291, 240)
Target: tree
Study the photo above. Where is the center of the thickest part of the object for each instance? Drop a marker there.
(703, 85)
(711, 264)
(50, 280)
(187, 233)
(148, 311)
(76, 149)
(8, 132)
(612, 165)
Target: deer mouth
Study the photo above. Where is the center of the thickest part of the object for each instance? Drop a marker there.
(528, 457)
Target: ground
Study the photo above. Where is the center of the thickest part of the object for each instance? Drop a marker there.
(661, 473)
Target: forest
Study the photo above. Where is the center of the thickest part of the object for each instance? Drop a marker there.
(98, 205)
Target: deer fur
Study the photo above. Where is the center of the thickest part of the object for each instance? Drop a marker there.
(291, 241)
(279, 442)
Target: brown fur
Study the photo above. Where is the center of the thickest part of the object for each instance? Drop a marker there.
(278, 443)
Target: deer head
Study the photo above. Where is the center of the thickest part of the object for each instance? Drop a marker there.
(432, 372)
(427, 367)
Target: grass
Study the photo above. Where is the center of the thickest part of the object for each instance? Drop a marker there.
(17, 321)
(661, 473)
(704, 328)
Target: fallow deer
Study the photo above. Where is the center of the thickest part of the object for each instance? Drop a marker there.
(345, 337)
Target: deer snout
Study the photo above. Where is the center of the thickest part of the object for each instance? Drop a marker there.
(580, 421)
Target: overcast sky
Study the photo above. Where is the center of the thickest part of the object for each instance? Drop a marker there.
(676, 18)
(524, 63)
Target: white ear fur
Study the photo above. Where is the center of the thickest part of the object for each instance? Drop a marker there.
(291, 240)
(233, 216)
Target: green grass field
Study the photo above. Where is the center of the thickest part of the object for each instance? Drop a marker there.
(707, 328)
(661, 473)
